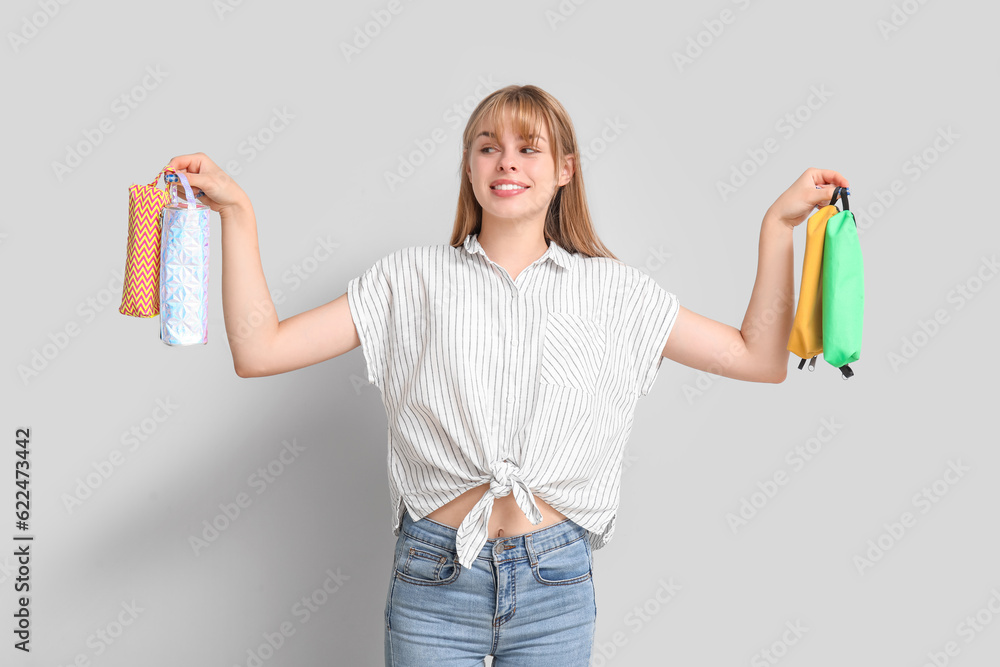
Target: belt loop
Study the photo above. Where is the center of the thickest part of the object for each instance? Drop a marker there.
(529, 546)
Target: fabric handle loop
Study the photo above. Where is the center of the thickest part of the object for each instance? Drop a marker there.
(175, 201)
(162, 172)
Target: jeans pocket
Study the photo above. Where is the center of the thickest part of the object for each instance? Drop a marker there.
(573, 349)
(425, 564)
(564, 565)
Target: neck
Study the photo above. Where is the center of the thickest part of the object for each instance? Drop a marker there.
(513, 242)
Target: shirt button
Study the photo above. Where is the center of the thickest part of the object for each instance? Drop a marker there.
(511, 398)
(513, 342)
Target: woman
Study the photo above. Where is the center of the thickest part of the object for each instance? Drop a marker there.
(509, 362)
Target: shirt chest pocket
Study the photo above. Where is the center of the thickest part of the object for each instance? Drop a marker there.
(573, 349)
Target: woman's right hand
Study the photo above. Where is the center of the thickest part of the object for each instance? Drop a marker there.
(221, 191)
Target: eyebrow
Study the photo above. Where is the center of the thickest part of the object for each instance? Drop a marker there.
(492, 135)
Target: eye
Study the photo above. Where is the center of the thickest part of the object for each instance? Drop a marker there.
(530, 148)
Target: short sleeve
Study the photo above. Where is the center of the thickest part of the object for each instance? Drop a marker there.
(648, 327)
(369, 297)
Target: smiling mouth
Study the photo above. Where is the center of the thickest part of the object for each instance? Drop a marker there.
(507, 186)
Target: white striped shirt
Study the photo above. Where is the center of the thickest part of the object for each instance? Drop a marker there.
(528, 384)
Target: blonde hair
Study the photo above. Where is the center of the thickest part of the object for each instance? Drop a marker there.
(567, 221)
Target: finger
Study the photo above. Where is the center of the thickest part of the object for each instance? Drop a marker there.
(189, 163)
(196, 181)
(829, 176)
(197, 163)
(829, 189)
(825, 195)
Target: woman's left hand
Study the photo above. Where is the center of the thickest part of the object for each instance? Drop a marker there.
(814, 188)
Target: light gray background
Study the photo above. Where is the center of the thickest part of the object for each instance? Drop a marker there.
(652, 189)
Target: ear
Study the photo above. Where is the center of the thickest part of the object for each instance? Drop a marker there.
(569, 166)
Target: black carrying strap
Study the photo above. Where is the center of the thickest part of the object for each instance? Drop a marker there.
(843, 198)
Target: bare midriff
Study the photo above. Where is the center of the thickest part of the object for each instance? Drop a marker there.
(506, 519)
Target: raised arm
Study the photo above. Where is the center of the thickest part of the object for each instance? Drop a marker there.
(757, 351)
(260, 344)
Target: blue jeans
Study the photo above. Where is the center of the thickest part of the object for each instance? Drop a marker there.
(528, 599)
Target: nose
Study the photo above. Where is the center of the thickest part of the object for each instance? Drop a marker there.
(508, 162)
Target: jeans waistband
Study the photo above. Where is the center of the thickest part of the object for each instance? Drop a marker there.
(514, 547)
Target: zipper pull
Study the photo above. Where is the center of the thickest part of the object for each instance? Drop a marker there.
(802, 363)
(846, 370)
(812, 363)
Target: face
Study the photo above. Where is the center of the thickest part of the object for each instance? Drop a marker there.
(526, 162)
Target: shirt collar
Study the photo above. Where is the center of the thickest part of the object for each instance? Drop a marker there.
(555, 252)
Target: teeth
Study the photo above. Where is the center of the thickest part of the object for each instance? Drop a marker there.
(507, 186)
